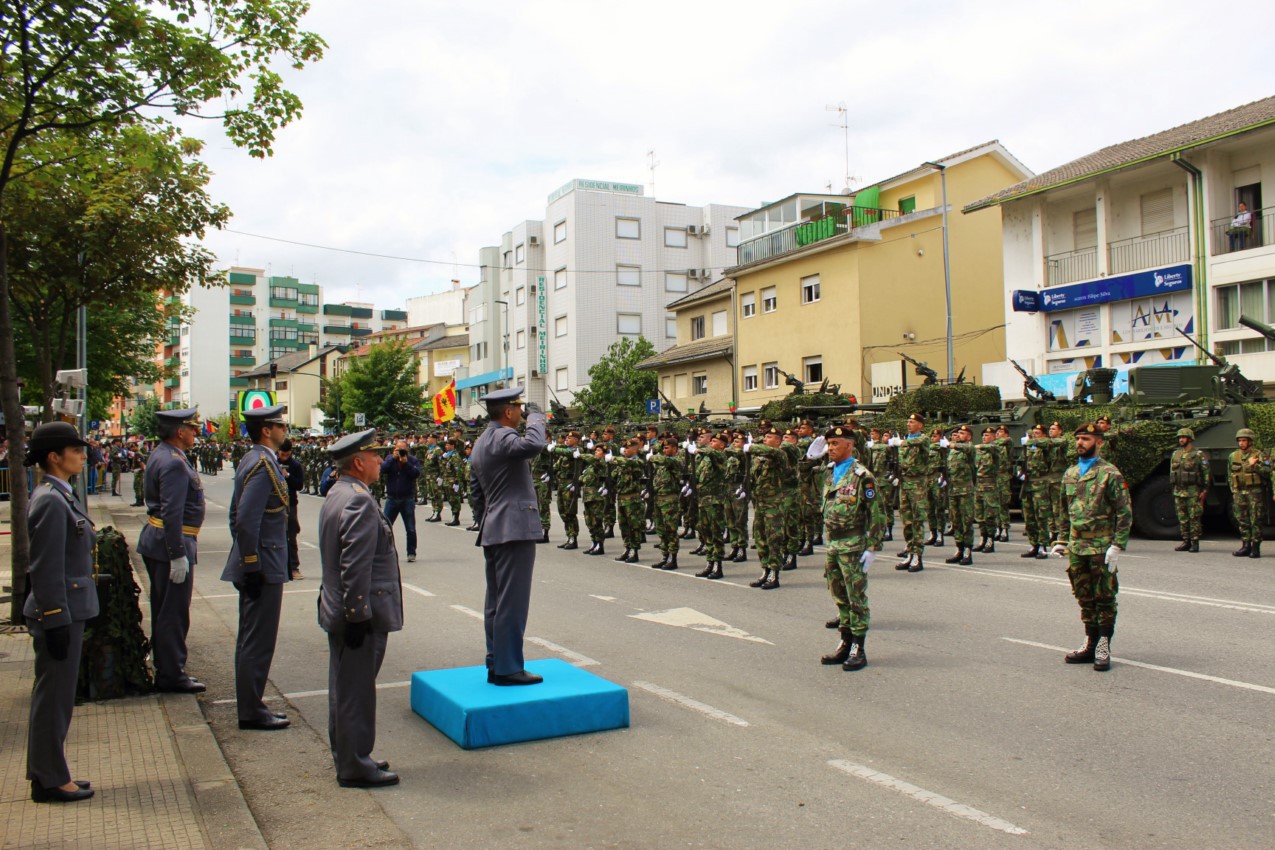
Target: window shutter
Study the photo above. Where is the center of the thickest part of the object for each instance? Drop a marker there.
(1157, 212)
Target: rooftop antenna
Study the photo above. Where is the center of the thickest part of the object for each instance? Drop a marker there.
(844, 114)
(651, 163)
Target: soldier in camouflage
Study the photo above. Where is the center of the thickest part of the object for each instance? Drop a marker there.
(936, 496)
(792, 499)
(1100, 516)
(1059, 460)
(593, 491)
(629, 474)
(1038, 449)
(1189, 475)
(987, 465)
(737, 503)
(767, 470)
(711, 483)
(1005, 482)
(878, 456)
(668, 478)
(960, 494)
(542, 477)
(566, 480)
(914, 465)
(810, 478)
(139, 477)
(1250, 468)
(452, 469)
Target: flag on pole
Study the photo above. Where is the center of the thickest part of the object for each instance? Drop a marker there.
(445, 403)
(209, 428)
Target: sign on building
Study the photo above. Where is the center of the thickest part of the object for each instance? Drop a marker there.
(443, 368)
(542, 326)
(887, 380)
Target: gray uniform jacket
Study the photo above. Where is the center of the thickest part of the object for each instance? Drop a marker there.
(258, 520)
(61, 571)
(174, 498)
(361, 579)
(503, 493)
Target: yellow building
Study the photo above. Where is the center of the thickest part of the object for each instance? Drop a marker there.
(835, 286)
(697, 373)
(440, 357)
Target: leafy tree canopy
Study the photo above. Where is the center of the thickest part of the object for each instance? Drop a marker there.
(382, 386)
(617, 388)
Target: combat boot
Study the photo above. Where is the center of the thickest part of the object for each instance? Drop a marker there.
(689, 534)
(790, 563)
(1031, 553)
(917, 565)
(742, 556)
(570, 544)
(698, 550)
(600, 548)
(1102, 654)
(772, 582)
(545, 537)
(1256, 551)
(934, 539)
(982, 545)
(818, 541)
(941, 541)
(593, 549)
(706, 572)
(624, 559)
(991, 546)
(842, 652)
(717, 570)
(761, 579)
(633, 556)
(889, 532)
(1184, 546)
(956, 558)
(807, 548)
(834, 623)
(437, 517)
(734, 550)
(670, 562)
(1243, 551)
(906, 562)
(858, 658)
(967, 560)
(660, 563)
(1084, 654)
(472, 527)
(611, 532)
(1195, 544)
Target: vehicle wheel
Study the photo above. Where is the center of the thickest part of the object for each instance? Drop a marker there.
(1153, 512)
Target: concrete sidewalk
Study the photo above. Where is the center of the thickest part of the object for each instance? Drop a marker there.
(160, 776)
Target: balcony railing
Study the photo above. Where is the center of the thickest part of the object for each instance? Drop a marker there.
(336, 329)
(1149, 252)
(1228, 240)
(1071, 266)
(246, 300)
(804, 233)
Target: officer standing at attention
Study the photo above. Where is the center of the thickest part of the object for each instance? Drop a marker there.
(1189, 474)
(1249, 468)
(258, 562)
(168, 545)
(1098, 507)
(62, 598)
(504, 496)
(360, 603)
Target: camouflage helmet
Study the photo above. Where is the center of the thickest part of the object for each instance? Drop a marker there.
(1189, 434)
(1245, 432)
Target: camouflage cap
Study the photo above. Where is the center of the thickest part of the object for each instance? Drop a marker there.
(1186, 432)
(1246, 433)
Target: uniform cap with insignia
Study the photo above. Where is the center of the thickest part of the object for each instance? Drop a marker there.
(1104, 418)
(51, 437)
(1056, 424)
(916, 417)
(766, 432)
(723, 438)
(272, 415)
(189, 416)
(360, 441)
(989, 430)
(967, 429)
(512, 395)
(1087, 428)
(841, 432)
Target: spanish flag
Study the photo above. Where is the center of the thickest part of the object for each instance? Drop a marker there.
(445, 403)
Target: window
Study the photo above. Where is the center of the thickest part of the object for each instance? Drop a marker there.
(770, 375)
(1157, 212)
(810, 290)
(287, 293)
(560, 379)
(1084, 229)
(769, 300)
(675, 237)
(560, 232)
(560, 326)
(628, 228)
(521, 340)
(508, 258)
(674, 281)
(719, 323)
(520, 296)
(308, 338)
(308, 298)
(748, 305)
(679, 385)
(670, 327)
(812, 369)
(628, 275)
(560, 279)
(1256, 300)
(699, 383)
(697, 328)
(628, 323)
(732, 237)
(907, 205)
(476, 315)
(750, 379)
(280, 385)
(520, 254)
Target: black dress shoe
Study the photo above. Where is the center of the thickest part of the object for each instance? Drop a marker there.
(57, 795)
(279, 715)
(382, 765)
(379, 780)
(266, 725)
(83, 783)
(190, 686)
(522, 677)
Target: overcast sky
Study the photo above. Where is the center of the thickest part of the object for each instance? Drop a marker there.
(431, 128)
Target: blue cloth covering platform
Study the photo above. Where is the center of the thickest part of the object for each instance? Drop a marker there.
(463, 706)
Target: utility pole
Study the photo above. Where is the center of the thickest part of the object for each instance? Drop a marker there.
(947, 267)
(844, 114)
(651, 163)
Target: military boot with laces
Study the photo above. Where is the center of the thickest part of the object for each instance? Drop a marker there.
(1085, 653)
(1102, 654)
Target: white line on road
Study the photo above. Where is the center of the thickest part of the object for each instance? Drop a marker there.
(575, 658)
(952, 807)
(1248, 686)
(468, 612)
(308, 545)
(236, 595)
(422, 591)
(693, 705)
(603, 598)
(319, 693)
(689, 618)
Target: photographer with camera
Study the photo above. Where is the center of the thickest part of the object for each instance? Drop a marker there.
(400, 471)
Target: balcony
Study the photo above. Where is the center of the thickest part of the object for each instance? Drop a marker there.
(243, 299)
(1228, 240)
(393, 315)
(241, 279)
(801, 234)
(172, 382)
(243, 361)
(336, 329)
(304, 307)
(171, 362)
(1149, 252)
(306, 328)
(336, 310)
(239, 382)
(283, 302)
(360, 312)
(1070, 266)
(242, 340)
(174, 338)
(360, 331)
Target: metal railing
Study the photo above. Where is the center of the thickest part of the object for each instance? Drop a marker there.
(803, 233)
(1228, 240)
(1071, 266)
(1150, 251)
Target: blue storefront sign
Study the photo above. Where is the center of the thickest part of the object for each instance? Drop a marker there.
(652, 407)
(1119, 288)
(1026, 301)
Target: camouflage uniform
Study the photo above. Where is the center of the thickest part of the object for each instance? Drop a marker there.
(1248, 471)
(1059, 460)
(1036, 507)
(668, 476)
(810, 478)
(1189, 475)
(629, 475)
(914, 464)
(1100, 516)
(854, 519)
(593, 479)
(936, 495)
(452, 469)
(736, 507)
(792, 503)
(139, 478)
(766, 472)
(960, 493)
(1004, 485)
(987, 464)
(566, 475)
(878, 461)
(710, 477)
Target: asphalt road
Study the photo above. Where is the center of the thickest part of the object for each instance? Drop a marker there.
(965, 730)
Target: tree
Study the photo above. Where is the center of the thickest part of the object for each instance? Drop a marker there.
(617, 388)
(382, 386)
(67, 68)
(142, 420)
(330, 403)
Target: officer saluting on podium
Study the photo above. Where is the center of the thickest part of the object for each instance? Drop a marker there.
(258, 562)
(360, 603)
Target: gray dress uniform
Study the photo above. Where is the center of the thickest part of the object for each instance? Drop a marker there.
(361, 585)
(505, 497)
(258, 568)
(62, 595)
(174, 514)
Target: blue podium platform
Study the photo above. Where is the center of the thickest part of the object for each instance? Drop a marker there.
(463, 706)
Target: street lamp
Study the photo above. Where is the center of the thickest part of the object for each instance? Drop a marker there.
(505, 342)
(947, 268)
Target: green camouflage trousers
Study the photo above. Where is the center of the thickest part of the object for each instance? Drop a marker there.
(139, 485)
(1250, 510)
(712, 524)
(936, 506)
(1060, 524)
(886, 491)
(668, 513)
(987, 510)
(543, 493)
(595, 514)
(792, 523)
(737, 521)
(632, 519)
(1095, 588)
(1037, 512)
(569, 511)
(768, 534)
(811, 517)
(1004, 488)
(1186, 501)
(690, 511)
(913, 493)
(848, 584)
(960, 510)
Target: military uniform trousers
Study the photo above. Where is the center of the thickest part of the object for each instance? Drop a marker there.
(960, 511)
(913, 493)
(1060, 526)
(987, 510)
(768, 533)
(848, 584)
(1037, 512)
(595, 514)
(668, 515)
(811, 516)
(569, 510)
(352, 703)
(139, 485)
(690, 512)
(737, 521)
(792, 522)
(254, 650)
(1095, 588)
(1004, 491)
(712, 526)
(936, 506)
(1250, 512)
(1190, 511)
(509, 567)
(632, 519)
(543, 498)
(170, 622)
(52, 701)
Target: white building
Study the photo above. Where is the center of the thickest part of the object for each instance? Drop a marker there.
(1107, 257)
(603, 263)
(438, 308)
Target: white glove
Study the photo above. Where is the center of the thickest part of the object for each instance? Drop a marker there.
(589, 445)
(609, 457)
(692, 448)
(179, 570)
(1023, 440)
(602, 491)
(896, 442)
(544, 478)
(894, 482)
(439, 481)
(817, 448)
(576, 454)
(552, 446)
(455, 488)
(867, 558)
(1059, 549)
(747, 446)
(871, 443)
(943, 442)
(942, 482)
(1113, 555)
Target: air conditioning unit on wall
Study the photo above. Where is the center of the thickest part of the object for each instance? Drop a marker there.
(533, 241)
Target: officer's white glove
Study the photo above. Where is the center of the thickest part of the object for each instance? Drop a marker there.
(576, 454)
(867, 558)
(817, 448)
(894, 482)
(943, 442)
(1113, 555)
(602, 491)
(942, 482)
(544, 478)
(692, 448)
(179, 569)
(1023, 440)
(895, 441)
(1058, 549)
(455, 488)
(686, 490)
(589, 445)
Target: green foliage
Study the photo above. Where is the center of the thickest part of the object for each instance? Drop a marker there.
(115, 646)
(330, 402)
(382, 385)
(617, 388)
(142, 419)
(227, 428)
(944, 401)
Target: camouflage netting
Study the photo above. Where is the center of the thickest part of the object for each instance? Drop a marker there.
(114, 664)
(1261, 418)
(944, 402)
(788, 408)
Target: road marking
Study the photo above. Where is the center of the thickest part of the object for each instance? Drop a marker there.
(318, 693)
(692, 704)
(469, 612)
(575, 658)
(1248, 686)
(692, 576)
(938, 801)
(689, 618)
(422, 591)
(603, 598)
(236, 595)
(308, 545)
(210, 503)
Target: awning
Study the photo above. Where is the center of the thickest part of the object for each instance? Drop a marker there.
(504, 374)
